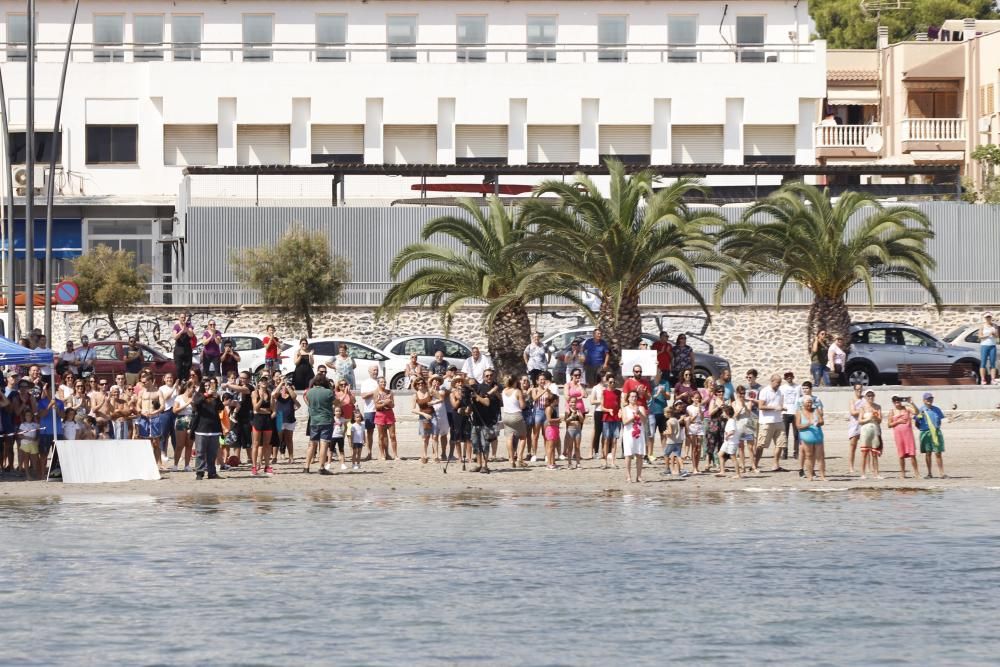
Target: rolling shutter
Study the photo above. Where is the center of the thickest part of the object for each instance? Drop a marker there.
(262, 144)
(696, 144)
(624, 140)
(554, 143)
(190, 145)
(480, 141)
(338, 140)
(410, 144)
(769, 140)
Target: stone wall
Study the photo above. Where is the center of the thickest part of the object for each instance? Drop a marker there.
(766, 338)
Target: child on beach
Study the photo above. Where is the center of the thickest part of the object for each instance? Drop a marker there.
(928, 421)
(552, 422)
(730, 444)
(357, 439)
(71, 428)
(27, 437)
(695, 431)
(574, 432)
(674, 438)
(339, 431)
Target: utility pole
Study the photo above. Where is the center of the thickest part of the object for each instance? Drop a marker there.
(29, 168)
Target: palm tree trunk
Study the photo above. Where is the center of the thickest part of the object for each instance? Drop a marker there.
(507, 338)
(827, 314)
(622, 332)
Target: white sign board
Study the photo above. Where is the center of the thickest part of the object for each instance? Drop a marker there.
(94, 461)
(644, 358)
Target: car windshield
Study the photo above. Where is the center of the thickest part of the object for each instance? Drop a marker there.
(954, 334)
(382, 344)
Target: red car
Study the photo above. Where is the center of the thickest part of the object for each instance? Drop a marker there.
(109, 359)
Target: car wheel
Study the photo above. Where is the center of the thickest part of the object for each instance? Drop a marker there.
(398, 382)
(970, 368)
(863, 374)
(700, 375)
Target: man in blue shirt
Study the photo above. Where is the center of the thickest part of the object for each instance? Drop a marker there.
(928, 421)
(596, 352)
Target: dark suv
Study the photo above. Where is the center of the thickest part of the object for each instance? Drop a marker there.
(878, 348)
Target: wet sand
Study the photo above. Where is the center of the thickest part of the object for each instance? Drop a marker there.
(970, 462)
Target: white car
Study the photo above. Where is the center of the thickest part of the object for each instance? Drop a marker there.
(398, 351)
(967, 336)
(250, 347)
(325, 349)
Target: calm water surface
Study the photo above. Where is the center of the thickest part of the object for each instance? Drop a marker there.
(734, 578)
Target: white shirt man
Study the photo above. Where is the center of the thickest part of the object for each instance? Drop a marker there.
(476, 365)
(790, 394)
(771, 403)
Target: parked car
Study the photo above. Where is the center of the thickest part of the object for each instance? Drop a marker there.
(398, 351)
(704, 364)
(109, 359)
(250, 347)
(967, 336)
(325, 349)
(878, 348)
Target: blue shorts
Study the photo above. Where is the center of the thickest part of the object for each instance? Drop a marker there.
(321, 432)
(529, 417)
(611, 430)
(150, 427)
(987, 356)
(369, 421)
(672, 449)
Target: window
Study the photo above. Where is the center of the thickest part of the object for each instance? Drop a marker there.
(141, 249)
(331, 33)
(877, 337)
(356, 351)
(749, 39)
(541, 39)
(325, 348)
(682, 35)
(110, 144)
(451, 348)
(245, 343)
(108, 33)
(258, 35)
(17, 37)
(147, 33)
(471, 39)
(612, 36)
(187, 37)
(106, 352)
(401, 31)
(413, 346)
(43, 147)
(917, 339)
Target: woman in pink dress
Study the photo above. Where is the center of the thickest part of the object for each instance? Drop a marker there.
(575, 394)
(901, 423)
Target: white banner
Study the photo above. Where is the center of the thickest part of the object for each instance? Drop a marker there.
(644, 358)
(93, 461)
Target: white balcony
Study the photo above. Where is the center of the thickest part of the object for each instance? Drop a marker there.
(937, 130)
(844, 136)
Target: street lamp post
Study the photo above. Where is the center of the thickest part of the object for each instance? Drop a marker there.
(29, 173)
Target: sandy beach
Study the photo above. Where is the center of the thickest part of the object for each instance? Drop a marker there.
(969, 458)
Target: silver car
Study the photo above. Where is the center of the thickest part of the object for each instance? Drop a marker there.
(878, 348)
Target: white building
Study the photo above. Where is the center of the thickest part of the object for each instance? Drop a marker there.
(154, 86)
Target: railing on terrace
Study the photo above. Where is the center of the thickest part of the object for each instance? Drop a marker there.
(844, 136)
(934, 129)
(761, 293)
(422, 53)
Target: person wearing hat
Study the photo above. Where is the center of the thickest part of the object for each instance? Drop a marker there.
(988, 348)
(928, 421)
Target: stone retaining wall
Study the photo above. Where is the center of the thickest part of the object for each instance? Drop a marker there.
(766, 338)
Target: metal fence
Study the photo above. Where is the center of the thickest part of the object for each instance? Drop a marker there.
(966, 247)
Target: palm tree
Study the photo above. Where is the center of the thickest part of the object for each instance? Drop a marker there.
(798, 235)
(620, 245)
(487, 270)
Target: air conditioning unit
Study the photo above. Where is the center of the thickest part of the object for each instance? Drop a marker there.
(21, 180)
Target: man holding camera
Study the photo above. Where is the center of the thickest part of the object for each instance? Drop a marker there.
(485, 417)
(206, 424)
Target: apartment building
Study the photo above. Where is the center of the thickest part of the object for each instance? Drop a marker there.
(931, 100)
(156, 86)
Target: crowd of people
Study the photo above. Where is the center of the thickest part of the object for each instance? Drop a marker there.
(215, 418)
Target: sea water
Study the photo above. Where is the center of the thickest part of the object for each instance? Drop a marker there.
(613, 578)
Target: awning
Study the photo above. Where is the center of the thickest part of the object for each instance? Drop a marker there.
(67, 237)
(851, 96)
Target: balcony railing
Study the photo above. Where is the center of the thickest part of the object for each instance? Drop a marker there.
(934, 129)
(760, 54)
(844, 136)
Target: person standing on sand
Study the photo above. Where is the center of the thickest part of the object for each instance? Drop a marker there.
(870, 419)
(597, 403)
(807, 388)
(385, 422)
(633, 435)
(853, 427)
(771, 425)
(150, 409)
(612, 424)
(513, 418)
(901, 423)
(206, 420)
(461, 424)
(319, 400)
(931, 439)
(809, 421)
(368, 389)
(730, 444)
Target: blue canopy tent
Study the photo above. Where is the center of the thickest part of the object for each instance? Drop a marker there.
(12, 354)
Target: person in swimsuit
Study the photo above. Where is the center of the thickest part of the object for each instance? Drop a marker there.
(574, 431)
(853, 427)
(809, 421)
(183, 410)
(150, 409)
(552, 422)
(262, 423)
(512, 416)
(425, 414)
(539, 395)
(528, 416)
(385, 422)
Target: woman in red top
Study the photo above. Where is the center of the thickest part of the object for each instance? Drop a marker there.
(612, 421)
(385, 421)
